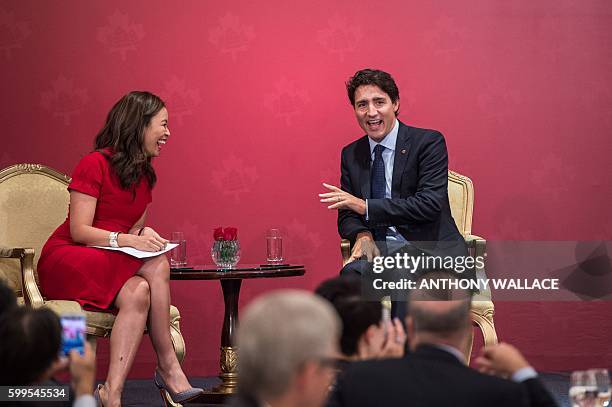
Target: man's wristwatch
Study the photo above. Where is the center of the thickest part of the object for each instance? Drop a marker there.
(112, 239)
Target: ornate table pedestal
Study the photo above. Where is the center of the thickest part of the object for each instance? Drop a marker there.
(231, 280)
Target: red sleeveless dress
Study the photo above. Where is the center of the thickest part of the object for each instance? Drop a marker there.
(90, 276)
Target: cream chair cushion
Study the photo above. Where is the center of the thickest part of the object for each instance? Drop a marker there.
(98, 323)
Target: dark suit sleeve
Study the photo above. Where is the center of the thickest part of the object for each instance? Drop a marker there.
(349, 222)
(426, 204)
(335, 398)
(538, 395)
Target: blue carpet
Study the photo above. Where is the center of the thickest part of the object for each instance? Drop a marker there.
(144, 392)
(558, 385)
(140, 393)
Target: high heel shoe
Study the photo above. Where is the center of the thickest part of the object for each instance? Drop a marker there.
(179, 397)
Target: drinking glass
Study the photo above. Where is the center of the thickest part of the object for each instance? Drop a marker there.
(590, 388)
(178, 255)
(602, 380)
(582, 390)
(274, 246)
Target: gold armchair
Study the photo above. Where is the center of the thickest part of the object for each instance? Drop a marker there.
(461, 198)
(33, 202)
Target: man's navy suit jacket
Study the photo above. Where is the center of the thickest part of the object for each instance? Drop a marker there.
(418, 206)
(431, 377)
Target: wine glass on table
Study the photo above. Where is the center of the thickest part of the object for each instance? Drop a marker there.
(602, 379)
(590, 388)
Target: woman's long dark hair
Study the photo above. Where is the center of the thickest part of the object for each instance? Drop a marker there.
(123, 133)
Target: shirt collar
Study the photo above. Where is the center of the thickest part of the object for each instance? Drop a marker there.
(453, 351)
(389, 140)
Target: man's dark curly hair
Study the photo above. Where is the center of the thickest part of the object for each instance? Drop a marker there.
(372, 77)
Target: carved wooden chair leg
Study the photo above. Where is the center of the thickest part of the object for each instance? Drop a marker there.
(177, 341)
(93, 341)
(487, 327)
(467, 352)
(488, 331)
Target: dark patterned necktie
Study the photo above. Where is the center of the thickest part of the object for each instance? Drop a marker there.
(378, 182)
(378, 185)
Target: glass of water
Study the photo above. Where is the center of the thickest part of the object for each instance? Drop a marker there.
(274, 246)
(178, 255)
(590, 388)
(602, 379)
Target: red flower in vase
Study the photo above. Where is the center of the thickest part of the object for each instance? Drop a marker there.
(230, 234)
(227, 234)
(218, 234)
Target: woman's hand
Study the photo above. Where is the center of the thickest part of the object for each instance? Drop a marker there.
(148, 241)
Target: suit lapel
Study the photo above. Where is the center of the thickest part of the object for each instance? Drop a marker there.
(363, 156)
(402, 147)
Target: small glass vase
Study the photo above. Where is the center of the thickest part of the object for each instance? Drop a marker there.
(225, 253)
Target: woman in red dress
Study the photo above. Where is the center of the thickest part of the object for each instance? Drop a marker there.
(109, 194)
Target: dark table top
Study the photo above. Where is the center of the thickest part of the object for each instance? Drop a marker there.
(241, 271)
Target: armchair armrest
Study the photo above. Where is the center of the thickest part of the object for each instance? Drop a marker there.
(31, 293)
(345, 249)
(478, 244)
(478, 247)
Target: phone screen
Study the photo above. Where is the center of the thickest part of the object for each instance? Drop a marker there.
(73, 333)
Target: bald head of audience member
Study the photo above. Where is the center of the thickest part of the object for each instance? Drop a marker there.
(286, 340)
(438, 314)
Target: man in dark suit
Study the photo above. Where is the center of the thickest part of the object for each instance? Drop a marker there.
(394, 179)
(435, 374)
(393, 196)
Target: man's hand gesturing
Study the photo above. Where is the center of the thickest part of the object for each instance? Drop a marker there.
(342, 200)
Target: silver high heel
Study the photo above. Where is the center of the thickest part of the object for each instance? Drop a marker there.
(179, 397)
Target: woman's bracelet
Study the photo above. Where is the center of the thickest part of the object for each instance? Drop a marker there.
(112, 239)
